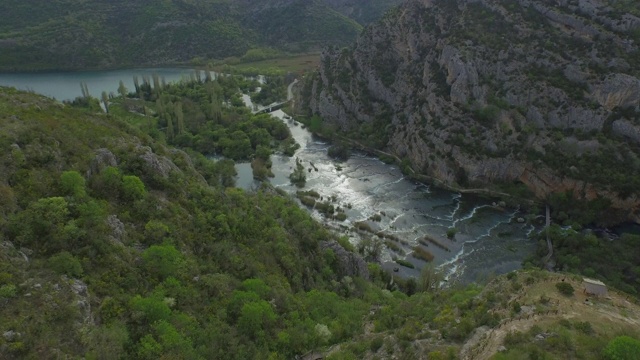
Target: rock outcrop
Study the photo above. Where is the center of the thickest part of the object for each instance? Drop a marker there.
(485, 92)
(350, 264)
(103, 159)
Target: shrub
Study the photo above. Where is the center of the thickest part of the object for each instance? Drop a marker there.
(132, 188)
(516, 307)
(8, 291)
(341, 216)
(339, 152)
(622, 348)
(584, 327)
(422, 254)
(565, 288)
(66, 264)
(451, 232)
(405, 263)
(72, 183)
(376, 344)
(162, 261)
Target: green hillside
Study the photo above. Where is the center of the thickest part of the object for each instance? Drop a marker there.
(75, 34)
(115, 245)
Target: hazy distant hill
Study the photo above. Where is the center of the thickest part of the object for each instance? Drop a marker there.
(74, 34)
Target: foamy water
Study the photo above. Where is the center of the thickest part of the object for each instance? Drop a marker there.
(488, 240)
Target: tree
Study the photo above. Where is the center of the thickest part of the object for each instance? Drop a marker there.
(257, 286)
(132, 188)
(430, 278)
(46, 226)
(149, 348)
(155, 230)
(105, 101)
(85, 90)
(72, 183)
(179, 117)
(122, 90)
(256, 318)
(298, 176)
(66, 264)
(136, 84)
(170, 131)
(107, 342)
(622, 348)
(370, 249)
(108, 182)
(156, 84)
(162, 260)
(151, 309)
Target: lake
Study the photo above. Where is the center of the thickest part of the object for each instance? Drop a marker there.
(66, 85)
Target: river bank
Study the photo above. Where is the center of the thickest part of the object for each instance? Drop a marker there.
(414, 175)
(409, 218)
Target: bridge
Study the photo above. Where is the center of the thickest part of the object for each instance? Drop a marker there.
(272, 107)
(280, 105)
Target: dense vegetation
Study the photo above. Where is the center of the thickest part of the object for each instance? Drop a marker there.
(615, 261)
(75, 34)
(174, 265)
(129, 248)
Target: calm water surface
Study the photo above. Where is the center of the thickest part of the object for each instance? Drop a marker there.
(66, 85)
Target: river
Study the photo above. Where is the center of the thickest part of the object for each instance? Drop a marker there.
(489, 240)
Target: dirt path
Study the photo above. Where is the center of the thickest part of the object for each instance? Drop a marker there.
(614, 309)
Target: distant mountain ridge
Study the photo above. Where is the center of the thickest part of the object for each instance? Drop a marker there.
(75, 34)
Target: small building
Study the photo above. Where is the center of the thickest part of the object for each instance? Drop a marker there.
(594, 287)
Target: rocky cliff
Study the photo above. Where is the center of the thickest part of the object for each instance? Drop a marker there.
(508, 93)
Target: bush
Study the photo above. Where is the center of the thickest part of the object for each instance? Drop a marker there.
(565, 288)
(132, 188)
(339, 152)
(405, 263)
(451, 232)
(584, 327)
(622, 348)
(8, 291)
(422, 254)
(72, 183)
(376, 344)
(516, 307)
(66, 264)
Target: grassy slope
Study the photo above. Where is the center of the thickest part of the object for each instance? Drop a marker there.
(608, 317)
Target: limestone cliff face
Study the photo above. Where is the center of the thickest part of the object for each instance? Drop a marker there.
(540, 92)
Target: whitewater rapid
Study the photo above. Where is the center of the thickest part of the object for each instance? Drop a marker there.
(488, 241)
